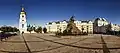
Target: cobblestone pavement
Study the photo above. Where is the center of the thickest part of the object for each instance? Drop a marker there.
(45, 43)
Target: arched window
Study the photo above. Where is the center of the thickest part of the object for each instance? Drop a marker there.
(22, 25)
(22, 16)
(22, 20)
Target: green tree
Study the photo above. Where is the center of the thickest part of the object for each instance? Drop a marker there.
(45, 30)
(15, 29)
(29, 28)
(36, 30)
(4, 29)
(9, 29)
(39, 29)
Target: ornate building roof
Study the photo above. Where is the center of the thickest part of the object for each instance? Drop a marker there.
(102, 19)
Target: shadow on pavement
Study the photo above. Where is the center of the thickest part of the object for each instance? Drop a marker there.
(105, 48)
(21, 41)
(18, 52)
(13, 52)
(26, 41)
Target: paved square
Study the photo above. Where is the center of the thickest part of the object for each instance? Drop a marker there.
(45, 43)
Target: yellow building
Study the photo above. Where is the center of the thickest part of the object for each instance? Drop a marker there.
(56, 26)
(114, 27)
(85, 26)
(60, 26)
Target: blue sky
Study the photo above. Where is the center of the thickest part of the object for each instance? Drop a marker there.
(40, 12)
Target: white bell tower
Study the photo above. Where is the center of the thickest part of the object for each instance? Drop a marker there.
(23, 21)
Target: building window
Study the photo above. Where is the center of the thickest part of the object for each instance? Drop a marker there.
(64, 27)
(87, 26)
(22, 25)
(58, 26)
(22, 16)
(22, 20)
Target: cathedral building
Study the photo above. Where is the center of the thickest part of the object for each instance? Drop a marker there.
(100, 25)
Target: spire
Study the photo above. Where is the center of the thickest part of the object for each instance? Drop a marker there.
(22, 7)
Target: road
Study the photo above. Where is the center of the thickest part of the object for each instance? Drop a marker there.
(46, 43)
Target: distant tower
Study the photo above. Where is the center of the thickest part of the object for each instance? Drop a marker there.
(23, 21)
